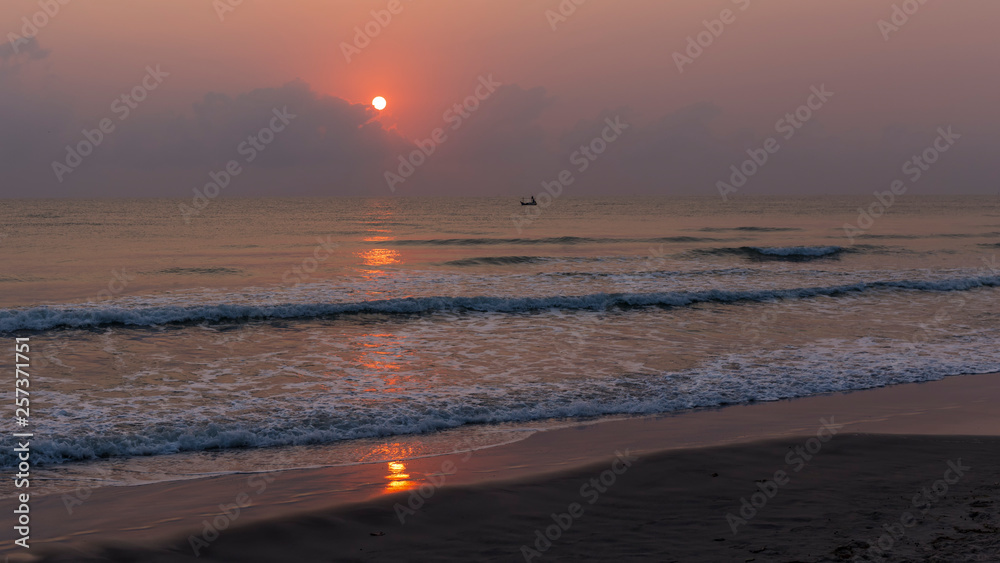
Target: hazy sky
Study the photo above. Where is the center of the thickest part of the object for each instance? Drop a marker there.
(211, 73)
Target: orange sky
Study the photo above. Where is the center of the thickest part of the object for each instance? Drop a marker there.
(608, 56)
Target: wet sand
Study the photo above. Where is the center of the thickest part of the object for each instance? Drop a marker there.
(834, 473)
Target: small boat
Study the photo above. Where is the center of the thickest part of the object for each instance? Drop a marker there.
(531, 202)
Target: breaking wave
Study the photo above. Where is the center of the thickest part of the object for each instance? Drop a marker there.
(787, 253)
(47, 318)
(497, 261)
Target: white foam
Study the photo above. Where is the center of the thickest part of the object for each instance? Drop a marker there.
(823, 366)
(46, 318)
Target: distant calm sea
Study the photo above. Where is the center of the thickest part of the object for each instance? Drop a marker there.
(283, 333)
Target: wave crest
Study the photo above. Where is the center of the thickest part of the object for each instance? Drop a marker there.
(47, 318)
(497, 260)
(787, 253)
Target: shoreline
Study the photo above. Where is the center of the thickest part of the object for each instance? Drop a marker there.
(927, 498)
(157, 513)
(522, 429)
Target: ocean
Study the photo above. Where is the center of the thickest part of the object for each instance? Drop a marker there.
(267, 334)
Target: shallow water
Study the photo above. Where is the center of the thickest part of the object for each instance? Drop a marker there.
(288, 333)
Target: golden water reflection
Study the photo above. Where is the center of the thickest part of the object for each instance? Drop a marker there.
(382, 356)
(399, 479)
(397, 476)
(380, 257)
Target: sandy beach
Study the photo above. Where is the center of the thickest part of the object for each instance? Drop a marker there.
(908, 469)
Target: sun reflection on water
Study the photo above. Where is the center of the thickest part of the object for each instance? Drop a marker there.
(380, 257)
(399, 479)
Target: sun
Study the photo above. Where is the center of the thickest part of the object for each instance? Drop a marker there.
(379, 103)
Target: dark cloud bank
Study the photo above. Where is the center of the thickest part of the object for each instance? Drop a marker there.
(333, 147)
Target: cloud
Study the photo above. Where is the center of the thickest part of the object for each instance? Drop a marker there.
(330, 146)
(31, 116)
(499, 148)
(334, 147)
(22, 49)
(337, 139)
